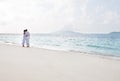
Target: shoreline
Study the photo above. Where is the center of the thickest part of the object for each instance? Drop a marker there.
(101, 55)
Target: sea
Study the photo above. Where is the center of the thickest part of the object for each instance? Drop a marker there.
(101, 44)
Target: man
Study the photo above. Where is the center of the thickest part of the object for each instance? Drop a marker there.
(26, 37)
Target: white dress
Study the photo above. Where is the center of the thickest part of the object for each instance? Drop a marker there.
(26, 38)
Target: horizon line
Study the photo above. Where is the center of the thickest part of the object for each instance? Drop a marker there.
(64, 31)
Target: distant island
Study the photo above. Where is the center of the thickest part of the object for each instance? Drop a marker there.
(77, 34)
(115, 33)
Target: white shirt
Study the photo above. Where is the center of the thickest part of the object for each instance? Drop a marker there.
(27, 35)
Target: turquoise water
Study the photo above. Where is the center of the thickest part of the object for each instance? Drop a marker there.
(104, 45)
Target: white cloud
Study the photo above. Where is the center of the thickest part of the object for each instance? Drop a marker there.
(52, 15)
(111, 17)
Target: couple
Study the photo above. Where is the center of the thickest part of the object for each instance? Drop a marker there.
(26, 37)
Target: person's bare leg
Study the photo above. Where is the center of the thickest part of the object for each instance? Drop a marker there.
(23, 46)
(23, 42)
(27, 42)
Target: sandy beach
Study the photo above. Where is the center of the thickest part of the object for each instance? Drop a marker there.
(35, 64)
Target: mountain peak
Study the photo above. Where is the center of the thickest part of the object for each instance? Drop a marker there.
(67, 33)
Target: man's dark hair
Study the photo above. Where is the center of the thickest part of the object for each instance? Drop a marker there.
(25, 29)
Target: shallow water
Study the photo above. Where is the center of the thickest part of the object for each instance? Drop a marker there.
(104, 45)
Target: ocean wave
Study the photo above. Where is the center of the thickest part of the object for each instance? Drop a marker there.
(103, 47)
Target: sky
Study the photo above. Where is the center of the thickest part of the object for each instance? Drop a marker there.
(44, 16)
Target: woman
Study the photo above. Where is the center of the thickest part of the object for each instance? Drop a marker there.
(26, 37)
